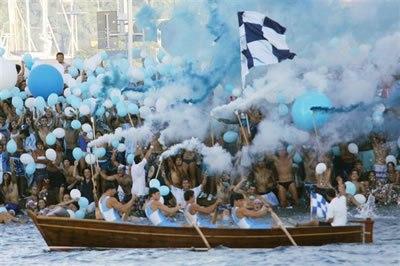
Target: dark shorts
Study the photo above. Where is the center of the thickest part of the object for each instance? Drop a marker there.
(286, 185)
(12, 206)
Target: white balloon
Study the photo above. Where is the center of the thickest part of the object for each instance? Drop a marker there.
(75, 194)
(360, 198)
(108, 103)
(161, 105)
(94, 89)
(8, 74)
(90, 158)
(320, 168)
(67, 92)
(84, 109)
(391, 159)
(51, 154)
(26, 158)
(86, 128)
(59, 132)
(353, 148)
(30, 103)
(121, 147)
(69, 111)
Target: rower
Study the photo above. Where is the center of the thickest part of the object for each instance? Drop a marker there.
(110, 207)
(192, 208)
(155, 210)
(245, 218)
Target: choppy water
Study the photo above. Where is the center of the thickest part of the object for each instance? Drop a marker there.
(22, 244)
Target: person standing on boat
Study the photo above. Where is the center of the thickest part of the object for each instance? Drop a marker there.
(245, 218)
(138, 172)
(284, 166)
(192, 208)
(110, 208)
(156, 211)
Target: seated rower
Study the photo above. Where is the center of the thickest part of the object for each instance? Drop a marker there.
(155, 210)
(192, 208)
(245, 218)
(110, 208)
(337, 210)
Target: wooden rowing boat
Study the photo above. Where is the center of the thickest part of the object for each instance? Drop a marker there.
(65, 233)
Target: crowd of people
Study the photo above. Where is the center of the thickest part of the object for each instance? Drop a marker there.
(119, 188)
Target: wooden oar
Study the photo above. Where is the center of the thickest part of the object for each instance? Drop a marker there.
(193, 223)
(279, 222)
(242, 128)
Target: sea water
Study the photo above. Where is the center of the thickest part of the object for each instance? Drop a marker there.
(21, 244)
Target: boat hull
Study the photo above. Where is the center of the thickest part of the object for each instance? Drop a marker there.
(62, 233)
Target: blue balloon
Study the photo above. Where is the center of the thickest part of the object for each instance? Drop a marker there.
(103, 55)
(83, 203)
(121, 111)
(229, 88)
(80, 214)
(40, 103)
(290, 148)
(297, 158)
(99, 152)
(77, 153)
(99, 70)
(2, 51)
(52, 99)
(51, 139)
(302, 115)
(230, 136)
(23, 95)
(76, 124)
(11, 146)
(15, 91)
(350, 188)
(164, 190)
(115, 143)
(100, 111)
(45, 80)
(129, 158)
(17, 102)
(75, 101)
(28, 60)
(73, 71)
(283, 109)
(133, 109)
(30, 168)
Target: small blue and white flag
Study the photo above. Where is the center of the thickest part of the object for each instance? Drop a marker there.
(318, 205)
(262, 41)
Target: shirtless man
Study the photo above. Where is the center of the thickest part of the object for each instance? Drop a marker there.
(178, 170)
(10, 191)
(71, 139)
(264, 182)
(189, 162)
(283, 163)
(310, 161)
(380, 153)
(123, 179)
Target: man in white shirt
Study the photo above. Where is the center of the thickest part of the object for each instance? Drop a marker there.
(179, 192)
(337, 210)
(138, 173)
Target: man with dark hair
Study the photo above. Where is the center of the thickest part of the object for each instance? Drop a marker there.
(138, 172)
(110, 207)
(60, 60)
(155, 210)
(337, 210)
(192, 208)
(244, 217)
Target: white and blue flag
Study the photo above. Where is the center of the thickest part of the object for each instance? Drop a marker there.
(318, 205)
(262, 41)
